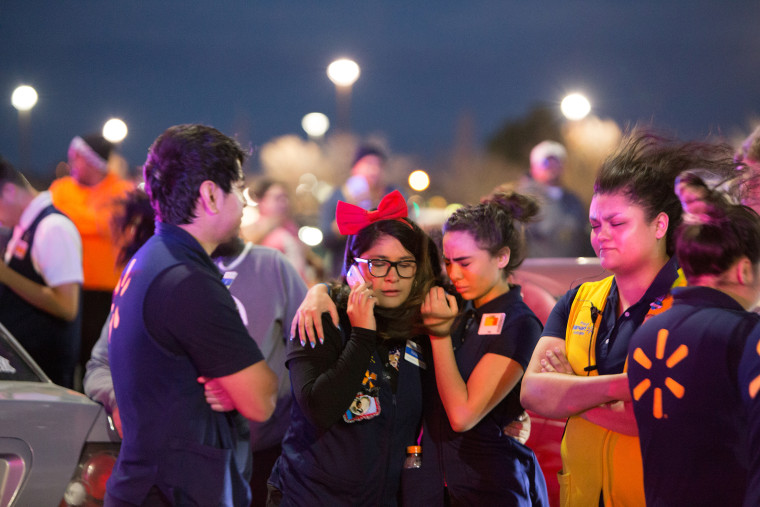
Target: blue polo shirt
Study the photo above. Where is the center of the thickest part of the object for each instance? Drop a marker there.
(614, 332)
(173, 320)
(682, 371)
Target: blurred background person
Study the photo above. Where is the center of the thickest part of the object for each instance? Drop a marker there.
(365, 187)
(89, 196)
(561, 229)
(683, 364)
(41, 278)
(274, 227)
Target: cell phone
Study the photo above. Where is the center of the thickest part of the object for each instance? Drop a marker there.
(354, 277)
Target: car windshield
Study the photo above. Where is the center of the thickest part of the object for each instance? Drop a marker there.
(15, 363)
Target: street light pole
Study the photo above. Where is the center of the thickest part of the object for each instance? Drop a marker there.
(343, 73)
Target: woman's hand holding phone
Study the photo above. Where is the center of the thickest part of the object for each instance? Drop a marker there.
(361, 300)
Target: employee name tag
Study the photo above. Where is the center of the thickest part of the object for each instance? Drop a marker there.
(413, 354)
(21, 248)
(491, 323)
(228, 278)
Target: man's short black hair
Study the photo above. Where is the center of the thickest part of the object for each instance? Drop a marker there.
(180, 160)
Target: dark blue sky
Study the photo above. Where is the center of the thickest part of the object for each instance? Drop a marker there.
(256, 67)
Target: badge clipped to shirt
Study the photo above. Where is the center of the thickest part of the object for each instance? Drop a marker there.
(19, 251)
(228, 278)
(413, 354)
(491, 323)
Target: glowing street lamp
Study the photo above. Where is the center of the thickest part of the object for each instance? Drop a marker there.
(315, 125)
(575, 106)
(343, 73)
(24, 99)
(115, 130)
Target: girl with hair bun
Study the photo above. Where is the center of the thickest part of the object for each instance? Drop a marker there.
(579, 368)
(472, 389)
(683, 364)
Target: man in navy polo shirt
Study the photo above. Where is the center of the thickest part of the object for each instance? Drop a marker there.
(173, 321)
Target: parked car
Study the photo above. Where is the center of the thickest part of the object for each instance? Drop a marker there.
(57, 447)
(543, 281)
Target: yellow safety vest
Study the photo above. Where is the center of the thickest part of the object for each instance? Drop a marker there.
(595, 459)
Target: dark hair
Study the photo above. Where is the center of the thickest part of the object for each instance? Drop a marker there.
(717, 234)
(9, 174)
(497, 222)
(261, 186)
(366, 150)
(180, 160)
(133, 225)
(644, 169)
(405, 320)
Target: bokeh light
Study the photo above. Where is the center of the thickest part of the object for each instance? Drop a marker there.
(24, 98)
(315, 124)
(575, 106)
(115, 130)
(310, 235)
(419, 180)
(343, 72)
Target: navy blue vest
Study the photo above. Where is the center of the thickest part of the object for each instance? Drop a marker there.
(51, 341)
(172, 438)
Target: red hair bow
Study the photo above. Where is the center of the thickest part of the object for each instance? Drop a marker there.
(352, 219)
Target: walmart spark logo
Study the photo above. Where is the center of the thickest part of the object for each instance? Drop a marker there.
(754, 386)
(674, 387)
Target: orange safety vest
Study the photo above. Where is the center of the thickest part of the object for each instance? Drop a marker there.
(595, 459)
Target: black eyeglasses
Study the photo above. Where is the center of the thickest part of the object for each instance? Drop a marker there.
(380, 267)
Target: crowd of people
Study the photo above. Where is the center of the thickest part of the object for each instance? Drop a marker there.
(240, 369)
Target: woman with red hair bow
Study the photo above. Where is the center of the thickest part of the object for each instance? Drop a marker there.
(359, 394)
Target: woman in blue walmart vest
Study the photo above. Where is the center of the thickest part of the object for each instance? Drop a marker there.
(683, 364)
(578, 369)
(479, 356)
(359, 394)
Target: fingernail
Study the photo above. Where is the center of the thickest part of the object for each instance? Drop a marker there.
(303, 342)
(321, 340)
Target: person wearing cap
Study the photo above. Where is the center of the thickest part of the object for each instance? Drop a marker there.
(89, 197)
(364, 187)
(562, 227)
(41, 278)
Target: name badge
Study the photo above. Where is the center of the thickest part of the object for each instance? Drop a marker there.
(20, 249)
(413, 354)
(491, 323)
(228, 278)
